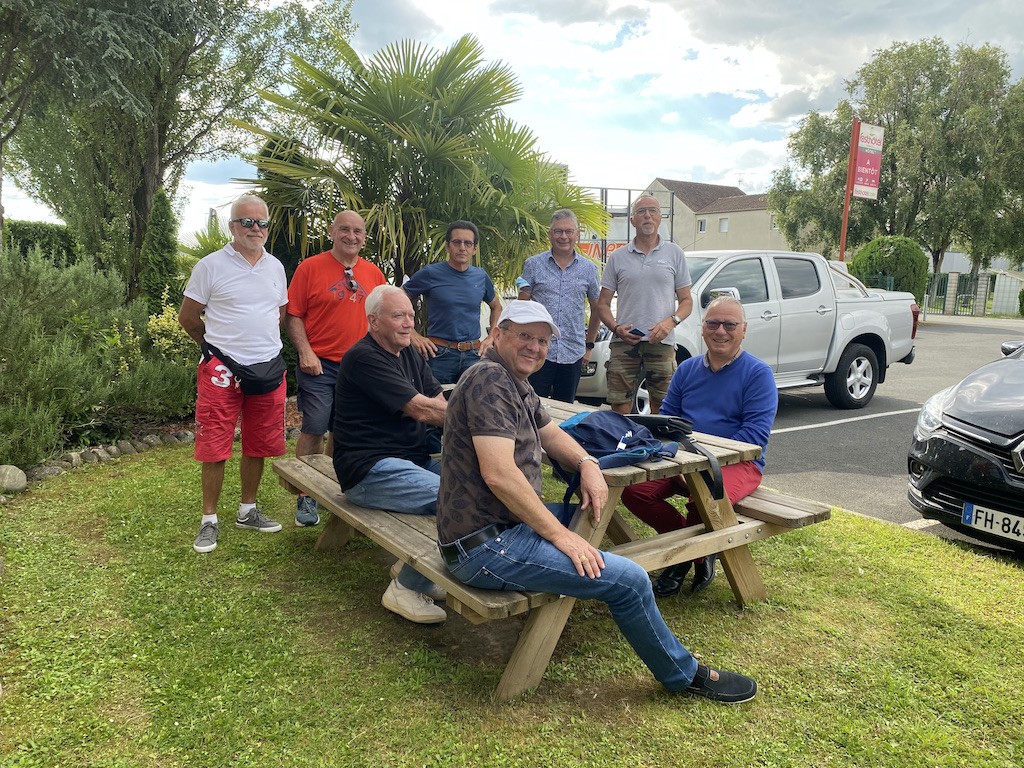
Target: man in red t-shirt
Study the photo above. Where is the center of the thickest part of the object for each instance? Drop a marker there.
(325, 317)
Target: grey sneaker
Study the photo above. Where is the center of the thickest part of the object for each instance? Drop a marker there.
(306, 511)
(206, 541)
(255, 520)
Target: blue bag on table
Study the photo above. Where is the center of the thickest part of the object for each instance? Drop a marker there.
(614, 440)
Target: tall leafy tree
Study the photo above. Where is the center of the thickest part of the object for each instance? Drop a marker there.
(100, 168)
(413, 138)
(58, 50)
(941, 181)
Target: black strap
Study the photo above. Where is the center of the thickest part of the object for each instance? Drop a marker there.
(678, 429)
(713, 475)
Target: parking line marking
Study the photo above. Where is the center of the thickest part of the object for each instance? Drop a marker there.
(921, 524)
(844, 421)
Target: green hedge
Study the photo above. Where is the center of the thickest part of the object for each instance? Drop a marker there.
(77, 363)
(897, 257)
(55, 241)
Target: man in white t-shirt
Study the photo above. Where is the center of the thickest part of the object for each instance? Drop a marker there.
(233, 308)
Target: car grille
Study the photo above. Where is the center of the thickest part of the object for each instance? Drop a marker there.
(951, 495)
(999, 453)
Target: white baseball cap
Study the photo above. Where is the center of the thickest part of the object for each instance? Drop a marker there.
(524, 312)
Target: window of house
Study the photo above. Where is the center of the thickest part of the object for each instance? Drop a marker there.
(723, 224)
(702, 225)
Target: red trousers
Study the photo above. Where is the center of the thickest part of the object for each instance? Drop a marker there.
(647, 500)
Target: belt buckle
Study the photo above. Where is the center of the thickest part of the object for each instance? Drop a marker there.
(464, 346)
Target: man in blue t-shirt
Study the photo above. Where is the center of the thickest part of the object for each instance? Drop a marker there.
(725, 392)
(454, 290)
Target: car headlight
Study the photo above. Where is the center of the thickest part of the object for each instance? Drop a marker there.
(930, 418)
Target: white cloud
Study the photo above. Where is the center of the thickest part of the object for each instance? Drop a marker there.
(626, 90)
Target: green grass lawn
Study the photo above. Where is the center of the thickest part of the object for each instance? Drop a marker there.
(119, 646)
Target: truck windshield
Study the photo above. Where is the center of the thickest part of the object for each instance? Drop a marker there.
(698, 265)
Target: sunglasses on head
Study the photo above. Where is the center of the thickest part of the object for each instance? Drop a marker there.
(247, 222)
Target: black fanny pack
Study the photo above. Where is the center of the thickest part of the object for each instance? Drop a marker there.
(255, 379)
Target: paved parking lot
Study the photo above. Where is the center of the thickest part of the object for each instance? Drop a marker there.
(857, 459)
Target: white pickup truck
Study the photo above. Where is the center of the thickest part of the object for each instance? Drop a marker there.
(809, 320)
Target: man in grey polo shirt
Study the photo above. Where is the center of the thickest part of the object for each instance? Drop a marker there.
(563, 281)
(650, 279)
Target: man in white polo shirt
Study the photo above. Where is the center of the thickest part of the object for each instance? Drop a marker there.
(233, 308)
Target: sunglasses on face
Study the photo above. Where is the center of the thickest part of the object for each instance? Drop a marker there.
(247, 222)
(714, 325)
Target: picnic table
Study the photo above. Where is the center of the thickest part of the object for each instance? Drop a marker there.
(726, 530)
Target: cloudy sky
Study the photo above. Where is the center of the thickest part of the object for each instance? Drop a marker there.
(623, 91)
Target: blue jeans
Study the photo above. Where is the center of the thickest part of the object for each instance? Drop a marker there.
(449, 364)
(398, 485)
(519, 559)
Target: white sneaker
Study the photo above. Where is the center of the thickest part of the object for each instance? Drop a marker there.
(410, 605)
(435, 593)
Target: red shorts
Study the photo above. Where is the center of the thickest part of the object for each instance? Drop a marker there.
(219, 403)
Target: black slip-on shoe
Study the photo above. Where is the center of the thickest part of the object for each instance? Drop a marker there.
(703, 574)
(722, 686)
(671, 580)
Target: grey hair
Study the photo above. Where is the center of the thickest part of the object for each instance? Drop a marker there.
(563, 213)
(246, 199)
(720, 301)
(644, 196)
(377, 296)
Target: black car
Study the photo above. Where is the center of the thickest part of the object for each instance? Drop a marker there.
(966, 465)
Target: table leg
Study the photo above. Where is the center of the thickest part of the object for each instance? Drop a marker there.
(739, 565)
(335, 535)
(537, 641)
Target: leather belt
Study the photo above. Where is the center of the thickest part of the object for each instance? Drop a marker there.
(461, 346)
(451, 552)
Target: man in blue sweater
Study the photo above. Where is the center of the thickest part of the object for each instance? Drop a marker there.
(725, 392)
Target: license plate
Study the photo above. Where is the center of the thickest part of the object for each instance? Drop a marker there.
(1001, 524)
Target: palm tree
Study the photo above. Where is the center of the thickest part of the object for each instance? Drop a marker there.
(413, 139)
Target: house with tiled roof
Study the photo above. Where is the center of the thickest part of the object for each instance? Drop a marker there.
(704, 217)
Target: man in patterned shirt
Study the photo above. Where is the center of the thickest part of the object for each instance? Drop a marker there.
(563, 281)
(494, 532)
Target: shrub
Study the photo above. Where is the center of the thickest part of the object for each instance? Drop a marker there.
(1020, 302)
(168, 337)
(159, 253)
(898, 257)
(76, 362)
(55, 241)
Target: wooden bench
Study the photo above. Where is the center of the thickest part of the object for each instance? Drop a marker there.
(413, 540)
(410, 538)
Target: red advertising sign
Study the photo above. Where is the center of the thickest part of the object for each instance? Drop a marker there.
(869, 161)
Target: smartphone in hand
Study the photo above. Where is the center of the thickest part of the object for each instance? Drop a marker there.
(637, 332)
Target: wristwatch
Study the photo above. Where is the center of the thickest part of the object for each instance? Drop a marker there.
(588, 457)
(675, 319)
(590, 345)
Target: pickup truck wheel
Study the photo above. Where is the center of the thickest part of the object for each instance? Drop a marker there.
(642, 400)
(853, 384)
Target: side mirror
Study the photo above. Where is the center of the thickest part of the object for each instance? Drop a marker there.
(1009, 347)
(713, 293)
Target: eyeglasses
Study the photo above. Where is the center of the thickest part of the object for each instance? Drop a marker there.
(459, 243)
(247, 222)
(563, 232)
(647, 211)
(525, 338)
(714, 325)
